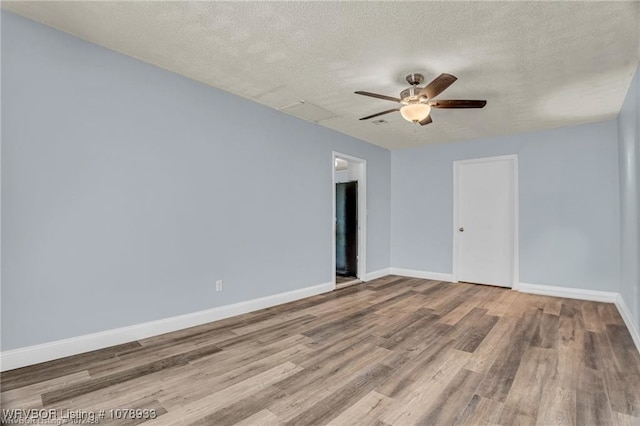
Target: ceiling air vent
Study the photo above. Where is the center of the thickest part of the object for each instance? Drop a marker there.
(379, 122)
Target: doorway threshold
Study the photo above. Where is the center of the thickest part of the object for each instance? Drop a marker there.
(344, 284)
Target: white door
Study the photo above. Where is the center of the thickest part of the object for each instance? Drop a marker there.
(485, 233)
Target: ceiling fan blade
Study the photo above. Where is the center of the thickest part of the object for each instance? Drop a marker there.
(438, 85)
(380, 113)
(426, 121)
(375, 95)
(458, 103)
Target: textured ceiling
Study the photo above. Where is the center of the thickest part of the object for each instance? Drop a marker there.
(538, 64)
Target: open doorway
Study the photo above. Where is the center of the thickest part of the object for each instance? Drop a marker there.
(346, 231)
(349, 214)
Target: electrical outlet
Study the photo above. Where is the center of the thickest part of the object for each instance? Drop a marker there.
(219, 285)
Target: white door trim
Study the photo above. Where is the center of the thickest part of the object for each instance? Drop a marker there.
(456, 166)
(362, 214)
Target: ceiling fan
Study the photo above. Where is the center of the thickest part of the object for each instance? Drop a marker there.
(417, 102)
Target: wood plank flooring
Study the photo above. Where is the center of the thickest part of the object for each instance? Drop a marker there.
(394, 351)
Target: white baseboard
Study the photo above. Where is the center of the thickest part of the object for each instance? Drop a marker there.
(625, 313)
(22, 357)
(29, 355)
(377, 274)
(568, 292)
(437, 276)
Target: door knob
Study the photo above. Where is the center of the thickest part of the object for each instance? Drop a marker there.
(461, 229)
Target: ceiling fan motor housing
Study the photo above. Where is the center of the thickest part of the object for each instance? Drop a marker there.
(412, 95)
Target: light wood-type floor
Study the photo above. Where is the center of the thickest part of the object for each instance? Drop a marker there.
(395, 351)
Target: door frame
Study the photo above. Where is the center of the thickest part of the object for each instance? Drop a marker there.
(362, 214)
(456, 245)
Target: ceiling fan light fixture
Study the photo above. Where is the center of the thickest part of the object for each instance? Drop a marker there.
(415, 112)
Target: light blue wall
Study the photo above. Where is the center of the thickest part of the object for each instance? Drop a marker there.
(629, 148)
(118, 206)
(128, 190)
(568, 202)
